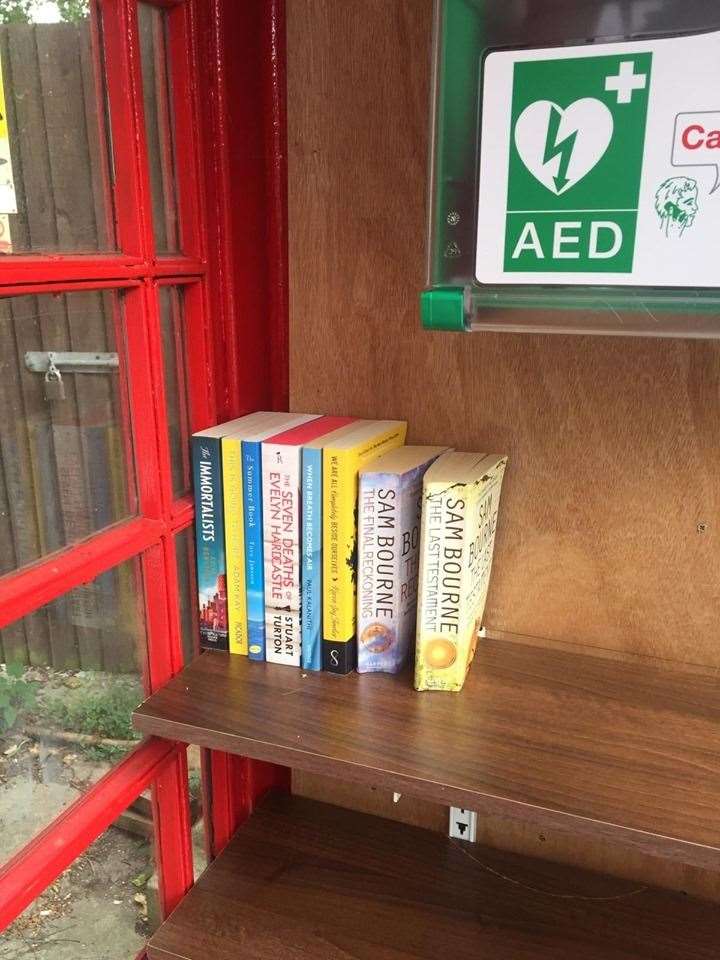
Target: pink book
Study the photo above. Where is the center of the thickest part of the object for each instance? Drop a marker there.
(282, 525)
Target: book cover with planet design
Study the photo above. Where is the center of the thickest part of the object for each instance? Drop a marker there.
(281, 469)
(389, 510)
(461, 495)
(342, 462)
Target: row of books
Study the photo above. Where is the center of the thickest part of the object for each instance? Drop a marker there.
(313, 533)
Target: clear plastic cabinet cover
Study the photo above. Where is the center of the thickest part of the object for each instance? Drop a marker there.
(575, 167)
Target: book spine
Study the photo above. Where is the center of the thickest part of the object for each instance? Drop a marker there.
(234, 545)
(254, 571)
(377, 570)
(410, 557)
(388, 556)
(340, 505)
(282, 629)
(339, 547)
(311, 561)
(441, 600)
(281, 536)
(481, 545)
(210, 543)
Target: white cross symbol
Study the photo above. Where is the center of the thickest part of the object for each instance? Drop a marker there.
(626, 82)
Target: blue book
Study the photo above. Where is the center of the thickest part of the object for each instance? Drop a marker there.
(311, 560)
(253, 517)
(311, 498)
(210, 529)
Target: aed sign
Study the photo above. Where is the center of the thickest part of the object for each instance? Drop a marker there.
(601, 165)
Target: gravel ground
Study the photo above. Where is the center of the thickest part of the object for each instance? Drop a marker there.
(91, 911)
(98, 908)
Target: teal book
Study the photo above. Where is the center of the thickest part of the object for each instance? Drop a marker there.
(210, 529)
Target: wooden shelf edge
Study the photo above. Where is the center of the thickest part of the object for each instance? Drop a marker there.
(666, 848)
(623, 754)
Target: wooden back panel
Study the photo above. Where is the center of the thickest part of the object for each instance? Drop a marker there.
(610, 520)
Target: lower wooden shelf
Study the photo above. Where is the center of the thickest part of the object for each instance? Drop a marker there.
(303, 880)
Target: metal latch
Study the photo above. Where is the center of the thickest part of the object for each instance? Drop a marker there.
(54, 363)
(38, 361)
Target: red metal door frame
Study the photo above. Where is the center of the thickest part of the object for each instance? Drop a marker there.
(231, 186)
(242, 60)
(133, 273)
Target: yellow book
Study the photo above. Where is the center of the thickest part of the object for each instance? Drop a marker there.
(461, 494)
(342, 462)
(234, 544)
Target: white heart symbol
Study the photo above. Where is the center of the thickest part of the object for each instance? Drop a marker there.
(559, 147)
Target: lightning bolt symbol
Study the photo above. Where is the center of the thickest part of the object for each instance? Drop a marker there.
(563, 149)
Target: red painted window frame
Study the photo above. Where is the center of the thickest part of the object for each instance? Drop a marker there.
(134, 273)
(228, 200)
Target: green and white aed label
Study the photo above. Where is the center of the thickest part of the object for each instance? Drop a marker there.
(602, 168)
(576, 139)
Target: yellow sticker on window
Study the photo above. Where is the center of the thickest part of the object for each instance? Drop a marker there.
(8, 201)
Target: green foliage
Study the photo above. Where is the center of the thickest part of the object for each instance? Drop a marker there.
(72, 10)
(194, 784)
(141, 880)
(102, 713)
(104, 752)
(16, 11)
(23, 11)
(16, 694)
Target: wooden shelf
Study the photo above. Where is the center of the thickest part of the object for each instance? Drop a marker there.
(620, 750)
(308, 881)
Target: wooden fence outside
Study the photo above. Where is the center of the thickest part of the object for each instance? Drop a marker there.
(64, 465)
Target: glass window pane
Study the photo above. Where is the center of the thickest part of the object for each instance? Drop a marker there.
(55, 174)
(155, 64)
(66, 467)
(185, 555)
(105, 906)
(197, 816)
(66, 719)
(172, 323)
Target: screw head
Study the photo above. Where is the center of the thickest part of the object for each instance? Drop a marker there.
(453, 218)
(702, 526)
